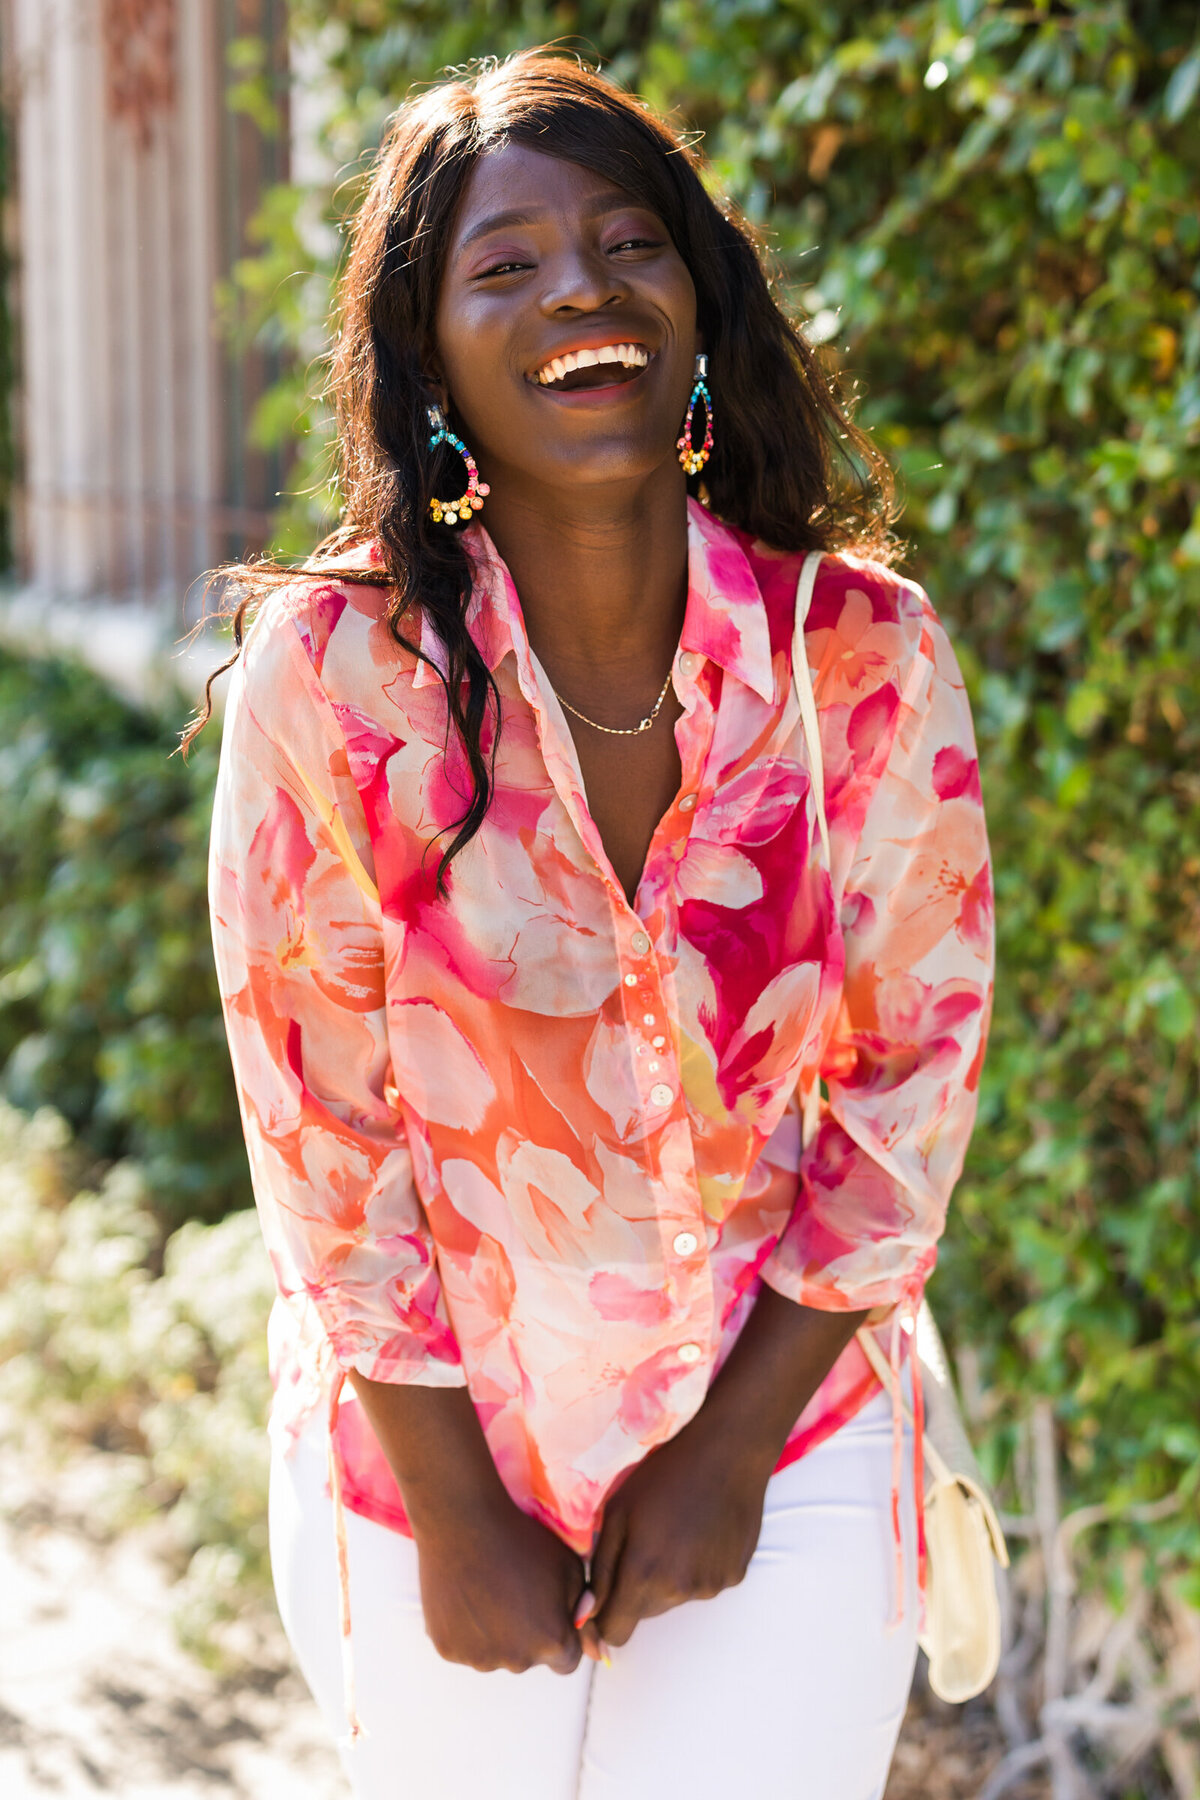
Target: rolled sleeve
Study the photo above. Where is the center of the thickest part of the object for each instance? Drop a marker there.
(298, 942)
(901, 1066)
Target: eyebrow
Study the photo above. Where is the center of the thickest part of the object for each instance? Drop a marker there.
(599, 203)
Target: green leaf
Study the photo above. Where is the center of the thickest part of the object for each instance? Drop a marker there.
(1181, 89)
(1087, 704)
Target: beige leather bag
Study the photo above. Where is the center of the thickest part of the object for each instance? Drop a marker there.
(964, 1542)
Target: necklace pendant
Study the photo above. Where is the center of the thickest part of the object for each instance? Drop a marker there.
(645, 725)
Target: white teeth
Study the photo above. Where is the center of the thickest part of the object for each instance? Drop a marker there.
(630, 356)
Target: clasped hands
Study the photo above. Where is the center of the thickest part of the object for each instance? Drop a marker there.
(501, 1591)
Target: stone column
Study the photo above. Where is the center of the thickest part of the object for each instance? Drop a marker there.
(134, 186)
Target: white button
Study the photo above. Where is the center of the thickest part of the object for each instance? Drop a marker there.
(653, 1068)
(661, 1094)
(631, 981)
(688, 663)
(690, 1353)
(687, 803)
(641, 1049)
(640, 942)
(658, 1042)
(685, 1243)
(648, 1019)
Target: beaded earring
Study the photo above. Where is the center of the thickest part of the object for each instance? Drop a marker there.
(449, 512)
(693, 460)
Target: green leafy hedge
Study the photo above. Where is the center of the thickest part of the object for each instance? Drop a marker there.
(987, 212)
(109, 1008)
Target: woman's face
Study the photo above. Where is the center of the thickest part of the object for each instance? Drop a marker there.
(548, 261)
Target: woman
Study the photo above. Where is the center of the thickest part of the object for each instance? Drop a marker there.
(529, 953)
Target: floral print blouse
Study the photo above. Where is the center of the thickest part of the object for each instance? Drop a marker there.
(532, 1139)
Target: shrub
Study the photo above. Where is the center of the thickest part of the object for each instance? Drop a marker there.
(109, 1009)
(153, 1350)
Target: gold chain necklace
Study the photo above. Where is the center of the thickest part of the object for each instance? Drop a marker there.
(619, 730)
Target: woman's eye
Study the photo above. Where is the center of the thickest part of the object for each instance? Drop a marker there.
(502, 268)
(636, 243)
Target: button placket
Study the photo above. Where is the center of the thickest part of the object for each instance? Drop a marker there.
(684, 1246)
(650, 998)
(682, 1234)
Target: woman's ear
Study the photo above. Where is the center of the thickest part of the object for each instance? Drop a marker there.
(437, 391)
(435, 376)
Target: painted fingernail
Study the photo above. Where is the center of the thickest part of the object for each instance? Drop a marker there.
(585, 1607)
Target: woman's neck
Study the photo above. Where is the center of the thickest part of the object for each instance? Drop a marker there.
(602, 578)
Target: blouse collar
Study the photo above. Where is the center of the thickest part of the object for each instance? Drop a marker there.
(725, 618)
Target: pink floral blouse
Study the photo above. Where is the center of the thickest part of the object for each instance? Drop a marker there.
(540, 1142)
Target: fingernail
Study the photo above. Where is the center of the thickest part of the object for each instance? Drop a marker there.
(605, 1658)
(585, 1607)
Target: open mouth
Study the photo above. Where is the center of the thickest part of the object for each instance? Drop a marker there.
(608, 365)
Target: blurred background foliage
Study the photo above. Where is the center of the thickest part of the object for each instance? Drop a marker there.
(152, 1352)
(986, 213)
(109, 1009)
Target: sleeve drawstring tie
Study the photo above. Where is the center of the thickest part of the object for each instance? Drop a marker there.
(354, 1724)
(904, 1318)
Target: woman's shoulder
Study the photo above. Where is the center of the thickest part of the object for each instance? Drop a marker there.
(336, 606)
(857, 598)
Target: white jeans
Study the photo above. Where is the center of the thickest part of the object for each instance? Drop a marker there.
(792, 1684)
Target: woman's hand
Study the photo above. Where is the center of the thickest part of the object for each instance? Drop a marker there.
(684, 1523)
(499, 1590)
(682, 1526)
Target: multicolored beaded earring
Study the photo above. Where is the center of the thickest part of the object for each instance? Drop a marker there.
(693, 460)
(449, 512)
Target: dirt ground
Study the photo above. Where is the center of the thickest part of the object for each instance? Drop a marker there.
(96, 1697)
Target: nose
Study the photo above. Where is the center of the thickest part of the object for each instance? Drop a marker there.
(582, 280)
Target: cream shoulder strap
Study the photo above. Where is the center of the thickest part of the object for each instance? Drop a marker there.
(802, 676)
(802, 681)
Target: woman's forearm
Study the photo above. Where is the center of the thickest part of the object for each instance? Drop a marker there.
(498, 1588)
(781, 1357)
(435, 1447)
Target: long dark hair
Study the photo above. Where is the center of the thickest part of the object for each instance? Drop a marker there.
(788, 466)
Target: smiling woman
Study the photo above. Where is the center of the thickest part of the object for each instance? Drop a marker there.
(567, 1301)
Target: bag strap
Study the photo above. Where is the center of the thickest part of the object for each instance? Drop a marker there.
(943, 1474)
(802, 677)
(882, 1368)
(802, 682)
